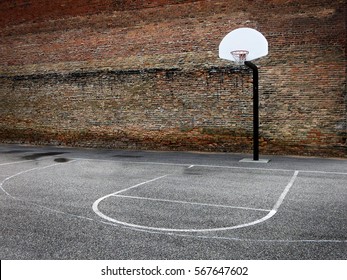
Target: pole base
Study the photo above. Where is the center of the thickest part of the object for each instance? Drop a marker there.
(263, 160)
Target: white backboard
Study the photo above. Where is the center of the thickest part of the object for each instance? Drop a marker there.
(244, 38)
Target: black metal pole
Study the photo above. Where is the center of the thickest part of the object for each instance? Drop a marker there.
(255, 109)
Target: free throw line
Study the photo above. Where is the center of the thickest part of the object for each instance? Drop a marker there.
(191, 203)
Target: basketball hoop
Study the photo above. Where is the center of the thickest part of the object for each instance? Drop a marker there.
(240, 56)
(241, 46)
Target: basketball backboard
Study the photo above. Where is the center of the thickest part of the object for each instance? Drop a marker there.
(247, 41)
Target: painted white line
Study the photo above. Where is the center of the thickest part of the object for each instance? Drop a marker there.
(62, 212)
(322, 172)
(214, 166)
(15, 162)
(189, 165)
(96, 203)
(286, 190)
(263, 219)
(140, 184)
(34, 203)
(274, 169)
(191, 203)
(227, 238)
(17, 174)
(23, 172)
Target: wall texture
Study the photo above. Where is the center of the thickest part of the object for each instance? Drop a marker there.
(146, 75)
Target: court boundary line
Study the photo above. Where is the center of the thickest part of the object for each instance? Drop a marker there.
(190, 165)
(23, 172)
(15, 162)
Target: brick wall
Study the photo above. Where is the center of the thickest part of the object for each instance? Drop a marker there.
(146, 75)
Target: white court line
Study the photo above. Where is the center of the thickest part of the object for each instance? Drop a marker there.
(23, 172)
(286, 190)
(271, 213)
(33, 203)
(140, 184)
(192, 203)
(96, 203)
(60, 212)
(274, 169)
(15, 162)
(214, 166)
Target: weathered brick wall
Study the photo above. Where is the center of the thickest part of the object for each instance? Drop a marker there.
(146, 74)
(155, 108)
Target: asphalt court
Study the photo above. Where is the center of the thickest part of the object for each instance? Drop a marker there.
(154, 203)
(192, 199)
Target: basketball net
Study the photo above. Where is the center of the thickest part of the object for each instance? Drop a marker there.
(240, 56)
